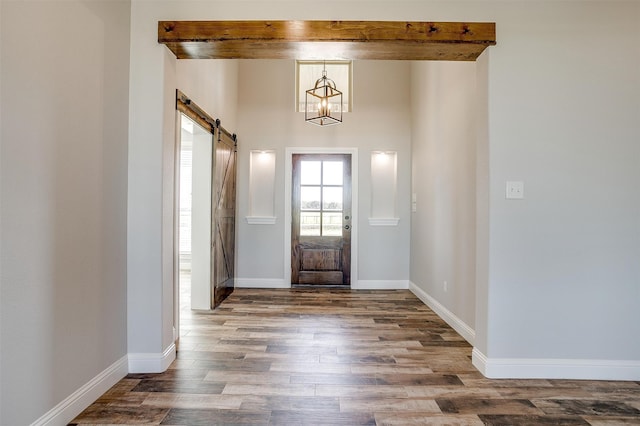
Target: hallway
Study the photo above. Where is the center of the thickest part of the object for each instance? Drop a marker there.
(343, 357)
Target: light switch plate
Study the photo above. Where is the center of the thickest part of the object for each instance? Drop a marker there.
(515, 190)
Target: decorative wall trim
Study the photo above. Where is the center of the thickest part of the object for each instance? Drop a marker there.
(449, 317)
(574, 369)
(262, 189)
(384, 188)
(261, 220)
(380, 285)
(75, 403)
(261, 283)
(152, 362)
(384, 221)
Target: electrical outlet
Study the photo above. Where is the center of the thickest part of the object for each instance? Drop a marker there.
(515, 190)
(445, 286)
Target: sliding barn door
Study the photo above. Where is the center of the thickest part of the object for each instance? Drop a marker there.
(224, 216)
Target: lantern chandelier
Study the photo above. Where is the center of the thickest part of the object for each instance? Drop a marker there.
(323, 102)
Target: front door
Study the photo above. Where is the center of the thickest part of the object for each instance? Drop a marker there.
(321, 219)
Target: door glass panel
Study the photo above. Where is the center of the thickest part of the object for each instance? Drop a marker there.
(321, 198)
(310, 198)
(332, 198)
(332, 173)
(310, 172)
(310, 223)
(332, 224)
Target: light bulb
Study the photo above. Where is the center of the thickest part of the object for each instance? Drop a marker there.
(322, 107)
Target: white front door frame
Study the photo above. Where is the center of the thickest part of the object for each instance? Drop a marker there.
(289, 151)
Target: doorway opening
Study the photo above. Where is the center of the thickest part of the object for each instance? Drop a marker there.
(194, 149)
(205, 186)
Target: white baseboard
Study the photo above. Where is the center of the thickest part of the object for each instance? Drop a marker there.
(261, 283)
(575, 369)
(449, 317)
(153, 362)
(75, 403)
(380, 285)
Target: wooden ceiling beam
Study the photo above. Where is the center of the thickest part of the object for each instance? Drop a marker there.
(391, 40)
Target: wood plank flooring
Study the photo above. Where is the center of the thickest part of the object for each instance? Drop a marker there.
(340, 357)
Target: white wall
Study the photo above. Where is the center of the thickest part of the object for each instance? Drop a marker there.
(379, 121)
(213, 85)
(562, 103)
(201, 218)
(443, 155)
(482, 202)
(155, 75)
(1, 210)
(562, 267)
(564, 106)
(1, 221)
(64, 180)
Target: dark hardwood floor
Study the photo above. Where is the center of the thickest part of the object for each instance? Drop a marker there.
(322, 356)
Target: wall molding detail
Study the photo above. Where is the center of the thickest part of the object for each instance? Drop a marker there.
(449, 317)
(261, 283)
(261, 220)
(75, 403)
(384, 221)
(542, 368)
(152, 362)
(380, 285)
